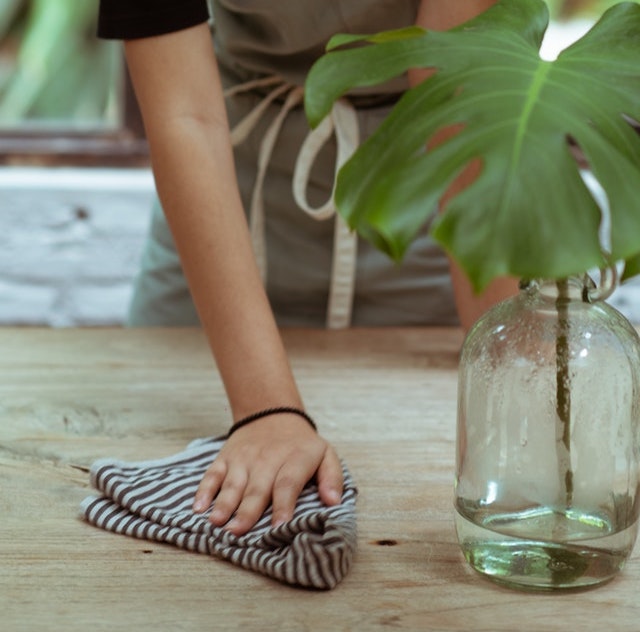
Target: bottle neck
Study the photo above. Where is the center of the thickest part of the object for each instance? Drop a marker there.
(574, 288)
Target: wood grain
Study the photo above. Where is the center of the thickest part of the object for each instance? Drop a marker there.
(384, 397)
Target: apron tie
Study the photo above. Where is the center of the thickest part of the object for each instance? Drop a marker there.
(341, 121)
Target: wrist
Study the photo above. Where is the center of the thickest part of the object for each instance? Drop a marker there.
(267, 412)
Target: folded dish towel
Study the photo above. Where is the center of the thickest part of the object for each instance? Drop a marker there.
(152, 500)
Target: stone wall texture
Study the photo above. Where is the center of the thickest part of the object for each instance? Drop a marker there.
(70, 243)
(71, 240)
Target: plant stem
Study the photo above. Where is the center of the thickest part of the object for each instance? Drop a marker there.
(563, 391)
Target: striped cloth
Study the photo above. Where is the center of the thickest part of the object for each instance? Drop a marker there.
(152, 500)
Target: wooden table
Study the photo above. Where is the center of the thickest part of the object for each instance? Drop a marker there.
(385, 398)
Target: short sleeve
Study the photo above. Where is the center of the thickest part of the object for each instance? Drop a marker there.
(133, 19)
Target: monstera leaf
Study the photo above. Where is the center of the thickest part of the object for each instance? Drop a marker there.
(529, 213)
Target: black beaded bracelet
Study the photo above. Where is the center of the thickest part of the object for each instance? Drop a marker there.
(271, 411)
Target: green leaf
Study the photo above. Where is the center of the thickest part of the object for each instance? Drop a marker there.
(529, 213)
(343, 39)
(631, 268)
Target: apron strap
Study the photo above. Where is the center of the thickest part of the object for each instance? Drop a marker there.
(341, 121)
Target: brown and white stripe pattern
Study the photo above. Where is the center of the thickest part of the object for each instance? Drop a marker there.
(152, 500)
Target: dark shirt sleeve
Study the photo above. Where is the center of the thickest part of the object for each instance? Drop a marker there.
(133, 19)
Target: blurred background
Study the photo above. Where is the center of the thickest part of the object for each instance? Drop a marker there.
(75, 186)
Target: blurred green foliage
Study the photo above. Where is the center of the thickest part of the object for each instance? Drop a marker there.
(52, 66)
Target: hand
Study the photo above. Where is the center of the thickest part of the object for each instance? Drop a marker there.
(268, 461)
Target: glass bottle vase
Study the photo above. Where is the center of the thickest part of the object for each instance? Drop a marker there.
(546, 493)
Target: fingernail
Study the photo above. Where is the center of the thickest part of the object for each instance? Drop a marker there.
(334, 496)
(215, 516)
(199, 505)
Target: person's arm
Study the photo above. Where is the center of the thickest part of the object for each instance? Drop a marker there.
(177, 85)
(439, 15)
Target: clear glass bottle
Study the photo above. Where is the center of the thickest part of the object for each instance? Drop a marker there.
(546, 493)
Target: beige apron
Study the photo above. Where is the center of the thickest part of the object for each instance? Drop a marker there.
(316, 272)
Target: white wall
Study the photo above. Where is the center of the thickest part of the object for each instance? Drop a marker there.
(71, 239)
(70, 242)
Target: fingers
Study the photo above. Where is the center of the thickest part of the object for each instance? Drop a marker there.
(330, 479)
(290, 482)
(286, 489)
(232, 491)
(246, 478)
(256, 499)
(210, 485)
(282, 487)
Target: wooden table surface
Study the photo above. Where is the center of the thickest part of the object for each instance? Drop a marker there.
(384, 397)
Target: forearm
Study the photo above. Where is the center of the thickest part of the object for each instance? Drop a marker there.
(195, 178)
(206, 218)
(437, 15)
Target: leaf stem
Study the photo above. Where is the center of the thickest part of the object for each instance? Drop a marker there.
(563, 391)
